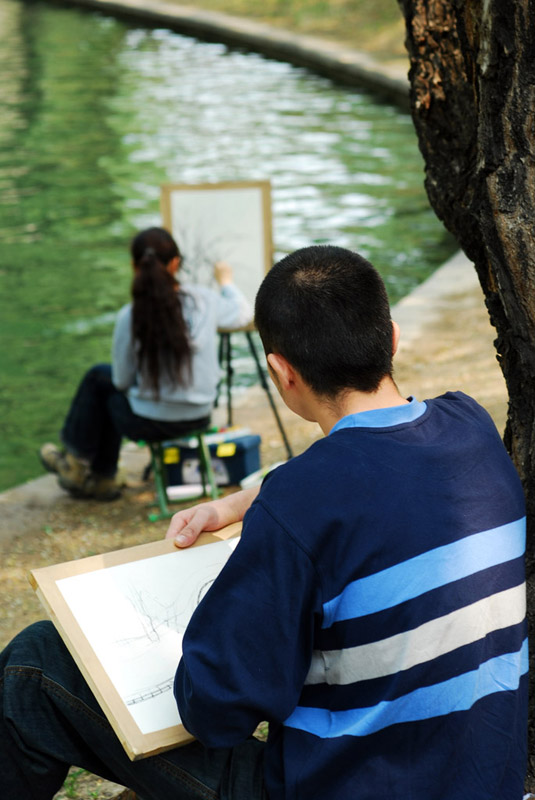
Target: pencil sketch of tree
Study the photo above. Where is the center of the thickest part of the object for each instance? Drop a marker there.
(133, 615)
(160, 616)
(156, 616)
(202, 243)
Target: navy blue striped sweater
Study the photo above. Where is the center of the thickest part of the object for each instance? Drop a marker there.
(374, 613)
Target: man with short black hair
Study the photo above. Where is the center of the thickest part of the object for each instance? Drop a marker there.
(326, 311)
(373, 611)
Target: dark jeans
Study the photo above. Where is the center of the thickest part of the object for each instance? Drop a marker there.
(100, 415)
(50, 720)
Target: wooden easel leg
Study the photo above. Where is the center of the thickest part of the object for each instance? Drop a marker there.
(225, 361)
(230, 375)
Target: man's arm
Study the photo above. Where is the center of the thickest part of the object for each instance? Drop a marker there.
(247, 648)
(185, 526)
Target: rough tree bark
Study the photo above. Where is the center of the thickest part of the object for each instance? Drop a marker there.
(472, 81)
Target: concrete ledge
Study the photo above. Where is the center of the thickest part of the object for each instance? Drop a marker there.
(327, 58)
(442, 290)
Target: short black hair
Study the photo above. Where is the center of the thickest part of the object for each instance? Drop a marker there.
(326, 310)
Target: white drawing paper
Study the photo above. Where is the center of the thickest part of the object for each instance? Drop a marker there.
(134, 616)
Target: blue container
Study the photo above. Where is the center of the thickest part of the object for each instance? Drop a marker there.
(232, 460)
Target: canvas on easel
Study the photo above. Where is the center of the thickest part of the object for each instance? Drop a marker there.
(221, 222)
(122, 616)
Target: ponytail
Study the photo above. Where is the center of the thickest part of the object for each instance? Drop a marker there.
(158, 325)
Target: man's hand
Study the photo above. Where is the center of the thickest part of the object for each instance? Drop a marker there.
(185, 526)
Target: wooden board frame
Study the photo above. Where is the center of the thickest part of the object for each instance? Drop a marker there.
(229, 221)
(44, 580)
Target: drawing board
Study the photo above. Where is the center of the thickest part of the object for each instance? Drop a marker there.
(221, 222)
(122, 616)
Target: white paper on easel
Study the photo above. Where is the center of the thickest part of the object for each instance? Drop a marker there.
(229, 221)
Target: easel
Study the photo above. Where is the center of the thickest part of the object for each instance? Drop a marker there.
(237, 214)
(225, 359)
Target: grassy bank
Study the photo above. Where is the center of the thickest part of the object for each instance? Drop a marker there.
(365, 25)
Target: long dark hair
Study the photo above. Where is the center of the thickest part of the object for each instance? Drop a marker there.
(158, 324)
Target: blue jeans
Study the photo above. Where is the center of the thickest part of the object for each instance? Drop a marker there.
(50, 720)
(100, 415)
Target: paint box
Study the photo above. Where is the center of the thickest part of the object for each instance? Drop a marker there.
(233, 457)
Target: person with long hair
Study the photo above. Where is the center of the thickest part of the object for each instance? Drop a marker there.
(162, 381)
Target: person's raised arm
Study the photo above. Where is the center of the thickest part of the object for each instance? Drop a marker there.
(234, 310)
(185, 526)
(223, 273)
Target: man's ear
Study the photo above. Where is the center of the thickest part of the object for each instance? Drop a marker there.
(282, 370)
(396, 333)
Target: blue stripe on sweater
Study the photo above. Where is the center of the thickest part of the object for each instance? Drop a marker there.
(430, 570)
(501, 674)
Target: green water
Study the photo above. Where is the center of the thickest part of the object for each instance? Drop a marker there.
(95, 114)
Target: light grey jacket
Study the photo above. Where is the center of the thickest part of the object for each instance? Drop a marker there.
(205, 310)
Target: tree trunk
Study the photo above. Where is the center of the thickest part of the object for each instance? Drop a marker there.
(472, 81)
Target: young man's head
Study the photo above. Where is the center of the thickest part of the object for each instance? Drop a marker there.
(326, 311)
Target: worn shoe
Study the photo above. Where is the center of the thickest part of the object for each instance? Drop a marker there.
(50, 456)
(103, 489)
(72, 472)
(93, 487)
(75, 477)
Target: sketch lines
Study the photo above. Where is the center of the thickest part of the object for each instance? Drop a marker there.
(134, 616)
(221, 222)
(157, 616)
(150, 692)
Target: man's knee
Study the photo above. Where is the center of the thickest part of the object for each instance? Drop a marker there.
(33, 646)
(38, 657)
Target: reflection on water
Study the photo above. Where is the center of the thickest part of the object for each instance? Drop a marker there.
(95, 114)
